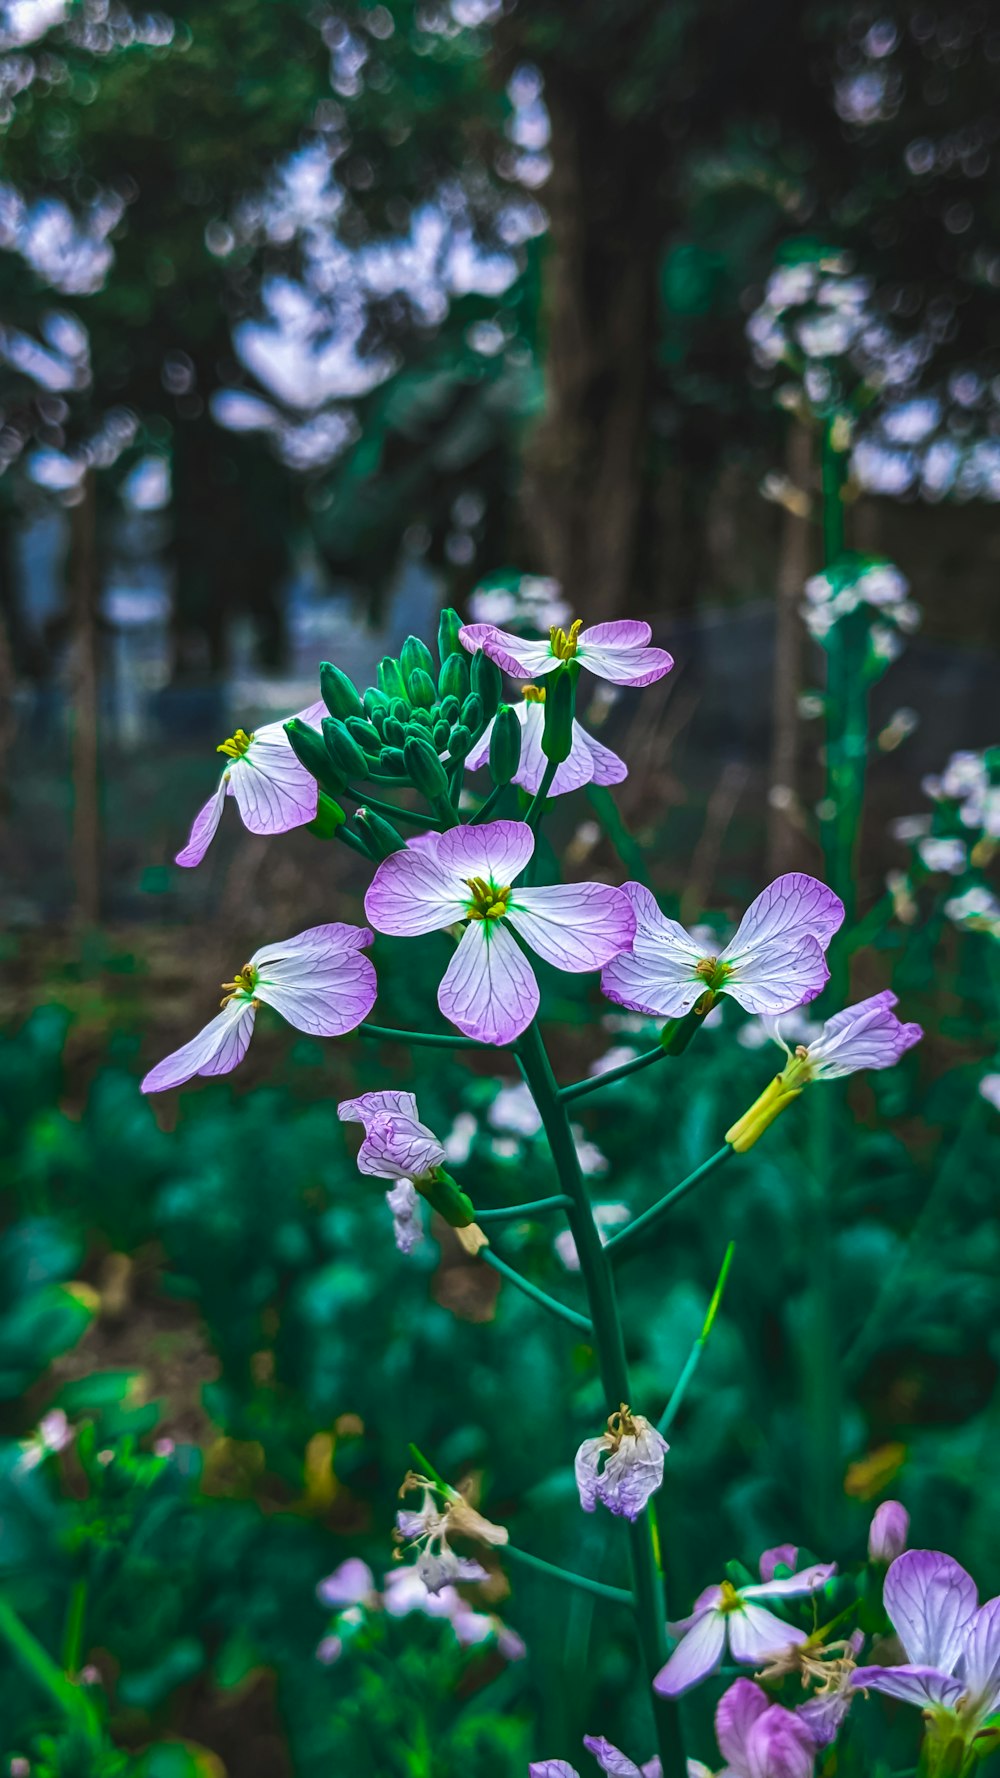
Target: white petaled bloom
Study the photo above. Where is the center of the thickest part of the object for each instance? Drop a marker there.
(588, 762)
(273, 791)
(734, 1615)
(622, 1467)
(396, 1146)
(317, 980)
(53, 1434)
(618, 651)
(405, 1592)
(428, 1531)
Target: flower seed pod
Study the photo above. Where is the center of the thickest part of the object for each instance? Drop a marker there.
(309, 750)
(487, 680)
(421, 690)
(453, 679)
(390, 679)
(415, 656)
(339, 693)
(342, 750)
(449, 625)
(505, 745)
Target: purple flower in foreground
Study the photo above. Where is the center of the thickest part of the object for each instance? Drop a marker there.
(588, 761)
(317, 980)
(775, 960)
(618, 651)
(632, 1452)
(396, 1146)
(727, 1613)
(489, 989)
(273, 791)
(951, 1643)
(888, 1532)
(761, 1740)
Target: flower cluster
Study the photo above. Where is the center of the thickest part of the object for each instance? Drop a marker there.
(866, 590)
(352, 1595)
(958, 839)
(443, 1514)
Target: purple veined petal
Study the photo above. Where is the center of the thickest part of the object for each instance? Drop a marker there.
(708, 1599)
(573, 772)
(273, 792)
(793, 905)
(980, 1663)
(755, 1633)
(522, 660)
(317, 944)
(489, 989)
(778, 1745)
(552, 1768)
(794, 1586)
(784, 1554)
(607, 768)
(931, 1601)
(781, 975)
(866, 1035)
(347, 1585)
(610, 1759)
(632, 1473)
(824, 1714)
(575, 926)
(398, 1147)
(426, 842)
(923, 1686)
(369, 1105)
(658, 975)
(412, 893)
(314, 984)
(407, 1228)
(479, 753)
(697, 1655)
(619, 632)
(586, 1468)
(498, 851)
(205, 826)
(216, 1050)
(619, 652)
(735, 1714)
(313, 714)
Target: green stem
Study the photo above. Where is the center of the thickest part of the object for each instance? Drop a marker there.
(620, 1595)
(536, 807)
(534, 1207)
(581, 1088)
(537, 1295)
(391, 811)
(431, 1039)
(485, 811)
(627, 1237)
(670, 1412)
(609, 1343)
(351, 839)
(73, 1632)
(71, 1699)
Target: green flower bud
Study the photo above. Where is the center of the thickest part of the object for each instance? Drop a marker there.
(342, 750)
(449, 624)
(560, 703)
(339, 693)
(393, 732)
(390, 679)
(307, 746)
(440, 735)
(449, 710)
(391, 760)
(400, 709)
(376, 704)
(415, 656)
(420, 686)
(505, 745)
(366, 735)
(487, 680)
(426, 772)
(453, 679)
(419, 723)
(461, 741)
(381, 836)
(472, 713)
(329, 816)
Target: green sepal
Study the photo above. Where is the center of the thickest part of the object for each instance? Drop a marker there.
(505, 745)
(560, 705)
(738, 1575)
(460, 742)
(472, 713)
(453, 679)
(339, 694)
(310, 752)
(445, 1195)
(487, 680)
(415, 656)
(426, 772)
(366, 735)
(421, 688)
(329, 816)
(677, 1033)
(391, 680)
(449, 625)
(382, 838)
(342, 749)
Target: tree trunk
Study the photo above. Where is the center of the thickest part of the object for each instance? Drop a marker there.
(785, 828)
(86, 837)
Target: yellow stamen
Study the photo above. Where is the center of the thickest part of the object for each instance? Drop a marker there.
(533, 694)
(242, 985)
(236, 745)
(621, 1425)
(713, 972)
(564, 643)
(730, 1600)
(488, 902)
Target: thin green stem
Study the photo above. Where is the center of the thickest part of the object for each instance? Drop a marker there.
(620, 1595)
(581, 1088)
(351, 839)
(534, 1207)
(536, 807)
(670, 1412)
(626, 1238)
(73, 1632)
(537, 1295)
(392, 811)
(71, 1699)
(485, 811)
(430, 1039)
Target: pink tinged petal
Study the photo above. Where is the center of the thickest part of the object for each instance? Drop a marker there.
(735, 1714)
(489, 989)
(755, 1633)
(695, 1657)
(498, 851)
(824, 1715)
(318, 980)
(779, 1746)
(412, 893)
(273, 791)
(398, 1147)
(658, 975)
(888, 1532)
(980, 1665)
(479, 754)
(791, 907)
(586, 1467)
(315, 944)
(707, 1599)
(522, 660)
(607, 768)
(205, 826)
(931, 1602)
(532, 763)
(867, 1035)
(313, 714)
(783, 1554)
(782, 974)
(794, 1586)
(632, 1473)
(552, 1768)
(216, 1050)
(575, 926)
(653, 1769)
(610, 1759)
(347, 1585)
(369, 1105)
(620, 652)
(926, 1687)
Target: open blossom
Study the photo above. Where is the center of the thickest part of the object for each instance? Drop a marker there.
(317, 980)
(776, 959)
(588, 762)
(622, 1467)
(758, 1739)
(428, 1530)
(273, 791)
(396, 1146)
(727, 1614)
(951, 1642)
(489, 989)
(618, 651)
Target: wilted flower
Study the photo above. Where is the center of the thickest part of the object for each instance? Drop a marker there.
(775, 960)
(489, 989)
(632, 1452)
(732, 1614)
(588, 761)
(831, 1667)
(618, 651)
(888, 1531)
(396, 1146)
(317, 980)
(273, 791)
(428, 1530)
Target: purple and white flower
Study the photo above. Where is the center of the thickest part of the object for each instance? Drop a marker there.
(405, 1592)
(610, 1760)
(618, 651)
(317, 980)
(588, 761)
(489, 990)
(758, 1739)
(428, 1529)
(273, 791)
(727, 1614)
(396, 1146)
(622, 1467)
(888, 1531)
(951, 1643)
(866, 1035)
(775, 960)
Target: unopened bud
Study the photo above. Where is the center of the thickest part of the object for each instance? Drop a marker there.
(390, 679)
(420, 686)
(487, 681)
(383, 840)
(329, 816)
(427, 774)
(449, 625)
(560, 705)
(415, 656)
(505, 745)
(888, 1532)
(310, 751)
(339, 693)
(342, 749)
(453, 679)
